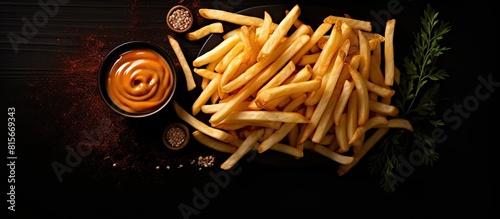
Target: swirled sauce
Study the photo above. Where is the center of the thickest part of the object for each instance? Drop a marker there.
(139, 81)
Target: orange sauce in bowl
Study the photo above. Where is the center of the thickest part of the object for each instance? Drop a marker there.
(139, 81)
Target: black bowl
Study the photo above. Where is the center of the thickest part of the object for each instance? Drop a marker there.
(110, 60)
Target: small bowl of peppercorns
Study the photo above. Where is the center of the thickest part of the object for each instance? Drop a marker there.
(179, 19)
(176, 136)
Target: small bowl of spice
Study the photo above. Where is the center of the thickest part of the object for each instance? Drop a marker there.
(179, 19)
(176, 136)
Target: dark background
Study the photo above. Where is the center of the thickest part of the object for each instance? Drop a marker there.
(51, 81)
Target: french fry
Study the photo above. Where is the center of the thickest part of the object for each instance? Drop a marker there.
(341, 134)
(217, 52)
(317, 35)
(204, 31)
(250, 50)
(295, 103)
(186, 69)
(212, 108)
(231, 17)
(367, 145)
(280, 31)
(354, 23)
(339, 158)
(242, 116)
(202, 127)
(379, 90)
(265, 30)
(329, 50)
(396, 123)
(352, 115)
(205, 95)
(342, 101)
(365, 51)
(280, 77)
(276, 137)
(383, 108)
(243, 149)
(372, 122)
(309, 59)
(362, 92)
(389, 52)
(203, 72)
(224, 62)
(270, 94)
(213, 143)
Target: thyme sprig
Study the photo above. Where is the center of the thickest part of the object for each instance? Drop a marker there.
(417, 97)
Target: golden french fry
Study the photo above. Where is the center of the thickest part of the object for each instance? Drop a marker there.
(280, 31)
(213, 143)
(280, 77)
(367, 145)
(273, 93)
(243, 116)
(243, 149)
(317, 35)
(352, 114)
(251, 50)
(217, 52)
(354, 23)
(383, 108)
(212, 108)
(397, 123)
(203, 72)
(376, 76)
(341, 134)
(205, 95)
(231, 17)
(333, 72)
(240, 125)
(329, 50)
(309, 59)
(224, 62)
(186, 69)
(265, 29)
(365, 51)
(372, 122)
(230, 71)
(231, 33)
(202, 127)
(276, 137)
(389, 52)
(362, 92)
(342, 101)
(295, 103)
(204, 31)
(339, 158)
(379, 90)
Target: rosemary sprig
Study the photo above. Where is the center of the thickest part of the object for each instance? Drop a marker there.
(417, 97)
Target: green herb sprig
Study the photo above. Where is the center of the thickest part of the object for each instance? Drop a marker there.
(417, 97)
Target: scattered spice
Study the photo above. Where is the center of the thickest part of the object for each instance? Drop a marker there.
(205, 161)
(179, 19)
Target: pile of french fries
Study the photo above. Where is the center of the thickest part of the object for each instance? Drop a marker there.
(288, 87)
